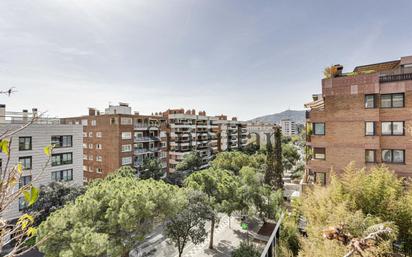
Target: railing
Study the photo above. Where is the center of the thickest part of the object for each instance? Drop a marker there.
(396, 75)
(272, 244)
(145, 139)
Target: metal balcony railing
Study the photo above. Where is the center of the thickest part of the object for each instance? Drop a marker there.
(400, 74)
(272, 244)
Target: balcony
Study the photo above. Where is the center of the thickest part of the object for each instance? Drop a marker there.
(396, 75)
(146, 126)
(146, 139)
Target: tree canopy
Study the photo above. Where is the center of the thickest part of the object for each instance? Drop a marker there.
(110, 218)
(151, 168)
(190, 162)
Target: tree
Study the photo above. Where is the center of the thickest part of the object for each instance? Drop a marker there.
(232, 161)
(151, 168)
(190, 162)
(290, 156)
(53, 197)
(251, 149)
(110, 218)
(220, 186)
(246, 250)
(189, 224)
(278, 169)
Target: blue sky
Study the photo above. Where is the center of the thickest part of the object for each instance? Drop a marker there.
(244, 58)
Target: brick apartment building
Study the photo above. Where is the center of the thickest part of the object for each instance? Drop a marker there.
(363, 116)
(118, 138)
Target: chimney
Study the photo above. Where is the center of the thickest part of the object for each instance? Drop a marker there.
(25, 115)
(92, 112)
(34, 111)
(2, 113)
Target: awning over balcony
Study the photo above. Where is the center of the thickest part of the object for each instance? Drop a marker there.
(316, 105)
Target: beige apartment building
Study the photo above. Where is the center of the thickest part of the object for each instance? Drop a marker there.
(364, 116)
(232, 134)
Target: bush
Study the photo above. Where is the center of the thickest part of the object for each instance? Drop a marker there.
(246, 250)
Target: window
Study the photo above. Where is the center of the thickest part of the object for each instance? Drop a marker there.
(84, 156)
(126, 121)
(84, 167)
(98, 146)
(126, 160)
(369, 128)
(84, 134)
(62, 159)
(319, 153)
(319, 128)
(393, 156)
(90, 169)
(320, 178)
(93, 122)
(84, 122)
(90, 134)
(24, 180)
(393, 100)
(62, 141)
(24, 143)
(90, 157)
(138, 134)
(84, 145)
(99, 158)
(62, 175)
(26, 162)
(126, 148)
(126, 135)
(90, 146)
(393, 128)
(99, 170)
(370, 101)
(98, 134)
(22, 204)
(370, 156)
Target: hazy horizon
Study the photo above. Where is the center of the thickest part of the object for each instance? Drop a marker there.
(239, 58)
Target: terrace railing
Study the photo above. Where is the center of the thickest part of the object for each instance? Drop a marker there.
(272, 244)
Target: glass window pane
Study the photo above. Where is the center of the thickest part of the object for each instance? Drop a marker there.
(398, 156)
(319, 128)
(397, 128)
(369, 101)
(386, 128)
(370, 155)
(397, 100)
(386, 101)
(369, 128)
(387, 155)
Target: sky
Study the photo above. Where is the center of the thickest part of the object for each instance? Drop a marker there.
(243, 58)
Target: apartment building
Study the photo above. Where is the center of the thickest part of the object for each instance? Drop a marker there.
(289, 127)
(231, 134)
(190, 131)
(362, 116)
(27, 148)
(117, 137)
(259, 132)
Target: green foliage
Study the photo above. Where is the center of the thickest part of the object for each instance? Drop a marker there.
(189, 223)
(246, 250)
(110, 218)
(232, 161)
(190, 162)
(290, 156)
(250, 149)
(151, 168)
(289, 237)
(53, 197)
(274, 165)
(359, 200)
(220, 186)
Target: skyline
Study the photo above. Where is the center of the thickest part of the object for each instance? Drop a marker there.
(239, 58)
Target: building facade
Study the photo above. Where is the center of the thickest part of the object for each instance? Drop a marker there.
(364, 117)
(27, 148)
(258, 132)
(231, 134)
(289, 127)
(189, 131)
(117, 137)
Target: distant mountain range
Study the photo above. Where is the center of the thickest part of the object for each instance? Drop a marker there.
(297, 116)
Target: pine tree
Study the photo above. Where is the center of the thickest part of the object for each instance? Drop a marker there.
(278, 181)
